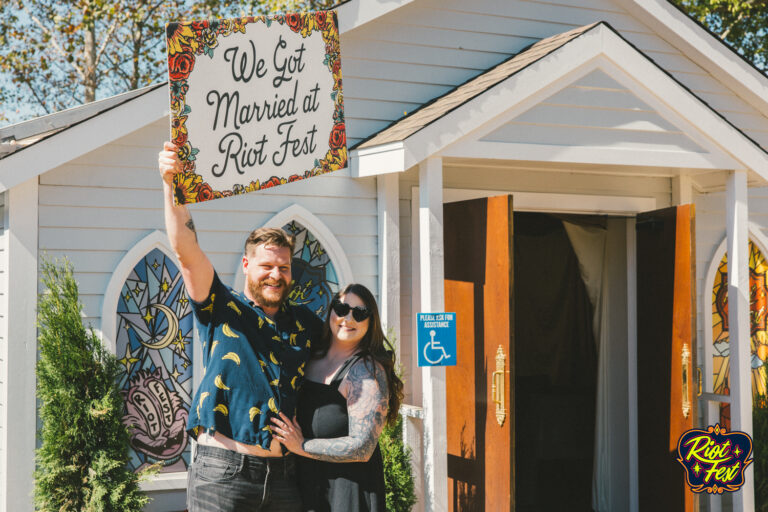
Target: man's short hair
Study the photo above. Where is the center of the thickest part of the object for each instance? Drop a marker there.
(269, 236)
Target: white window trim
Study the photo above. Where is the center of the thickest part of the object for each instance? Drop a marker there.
(155, 240)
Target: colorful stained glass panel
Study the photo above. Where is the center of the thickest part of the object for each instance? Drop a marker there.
(758, 274)
(154, 347)
(314, 276)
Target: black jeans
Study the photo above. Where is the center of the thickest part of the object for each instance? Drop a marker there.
(221, 480)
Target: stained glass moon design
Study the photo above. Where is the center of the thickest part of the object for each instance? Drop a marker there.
(154, 348)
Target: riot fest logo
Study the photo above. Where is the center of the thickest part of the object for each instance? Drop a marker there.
(714, 460)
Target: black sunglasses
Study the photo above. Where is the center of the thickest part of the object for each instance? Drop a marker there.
(359, 313)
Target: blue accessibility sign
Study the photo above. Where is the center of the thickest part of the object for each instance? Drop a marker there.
(437, 339)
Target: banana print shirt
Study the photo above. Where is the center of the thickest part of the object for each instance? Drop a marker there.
(253, 365)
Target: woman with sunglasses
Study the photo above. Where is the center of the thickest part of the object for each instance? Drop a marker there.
(350, 391)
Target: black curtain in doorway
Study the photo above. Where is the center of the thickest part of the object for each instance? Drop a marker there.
(555, 368)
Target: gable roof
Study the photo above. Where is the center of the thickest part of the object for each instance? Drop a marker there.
(67, 142)
(528, 77)
(667, 19)
(17, 136)
(438, 107)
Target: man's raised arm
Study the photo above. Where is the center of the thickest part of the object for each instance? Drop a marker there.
(196, 268)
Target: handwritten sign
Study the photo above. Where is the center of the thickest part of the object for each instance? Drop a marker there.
(256, 102)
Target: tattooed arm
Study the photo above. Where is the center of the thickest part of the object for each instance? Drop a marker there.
(196, 268)
(367, 403)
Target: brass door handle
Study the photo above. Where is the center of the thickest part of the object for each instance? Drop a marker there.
(698, 379)
(498, 394)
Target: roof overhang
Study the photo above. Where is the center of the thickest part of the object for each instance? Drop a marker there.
(83, 137)
(39, 127)
(599, 47)
(704, 48)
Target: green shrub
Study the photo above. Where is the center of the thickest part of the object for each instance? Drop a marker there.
(398, 475)
(81, 463)
(760, 453)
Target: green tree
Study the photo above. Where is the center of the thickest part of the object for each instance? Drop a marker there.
(82, 460)
(58, 54)
(743, 24)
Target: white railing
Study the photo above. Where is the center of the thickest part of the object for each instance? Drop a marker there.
(413, 436)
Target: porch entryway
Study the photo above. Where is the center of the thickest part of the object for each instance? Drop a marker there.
(578, 123)
(523, 397)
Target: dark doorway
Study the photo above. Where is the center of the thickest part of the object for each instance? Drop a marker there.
(555, 370)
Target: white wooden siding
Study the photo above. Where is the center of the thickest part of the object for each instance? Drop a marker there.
(424, 49)
(505, 180)
(597, 112)
(95, 208)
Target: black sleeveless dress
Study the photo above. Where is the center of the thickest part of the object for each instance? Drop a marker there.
(335, 486)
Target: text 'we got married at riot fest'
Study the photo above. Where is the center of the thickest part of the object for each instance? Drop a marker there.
(233, 112)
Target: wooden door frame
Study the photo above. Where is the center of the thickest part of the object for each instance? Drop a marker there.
(585, 204)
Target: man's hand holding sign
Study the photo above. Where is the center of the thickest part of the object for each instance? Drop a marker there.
(255, 102)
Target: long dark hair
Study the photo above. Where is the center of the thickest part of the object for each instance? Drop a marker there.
(374, 347)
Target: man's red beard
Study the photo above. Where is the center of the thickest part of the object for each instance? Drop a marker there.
(257, 290)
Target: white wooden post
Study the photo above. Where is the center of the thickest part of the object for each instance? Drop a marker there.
(414, 386)
(433, 300)
(19, 349)
(388, 199)
(415, 427)
(738, 322)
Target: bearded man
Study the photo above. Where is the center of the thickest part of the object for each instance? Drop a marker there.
(254, 345)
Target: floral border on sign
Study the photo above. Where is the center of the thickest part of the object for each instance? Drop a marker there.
(190, 39)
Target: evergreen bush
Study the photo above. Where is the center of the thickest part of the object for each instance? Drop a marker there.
(81, 463)
(398, 475)
(760, 452)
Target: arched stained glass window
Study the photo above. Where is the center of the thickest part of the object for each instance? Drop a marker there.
(314, 276)
(758, 274)
(154, 348)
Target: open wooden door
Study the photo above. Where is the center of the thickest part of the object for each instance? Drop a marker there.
(480, 408)
(665, 354)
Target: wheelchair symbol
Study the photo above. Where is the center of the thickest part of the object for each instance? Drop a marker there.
(434, 348)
